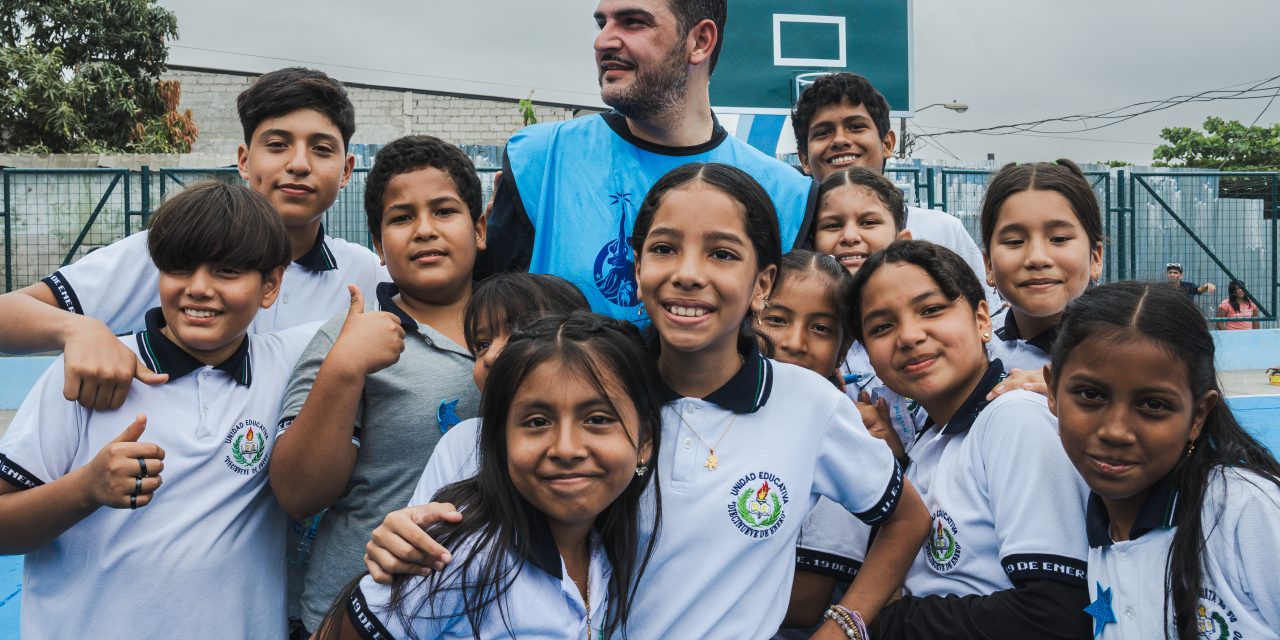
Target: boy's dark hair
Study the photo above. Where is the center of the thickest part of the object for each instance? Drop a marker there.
(879, 185)
(221, 224)
(510, 301)
(413, 153)
(833, 89)
(691, 12)
(1158, 312)
(1063, 177)
(284, 91)
(952, 274)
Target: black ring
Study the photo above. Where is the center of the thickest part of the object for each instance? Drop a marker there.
(137, 485)
(133, 502)
(143, 465)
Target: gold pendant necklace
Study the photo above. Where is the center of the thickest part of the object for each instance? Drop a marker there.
(713, 461)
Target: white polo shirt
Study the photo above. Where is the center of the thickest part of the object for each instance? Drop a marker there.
(456, 457)
(1240, 590)
(725, 555)
(1015, 351)
(118, 283)
(942, 228)
(207, 554)
(1006, 502)
(543, 602)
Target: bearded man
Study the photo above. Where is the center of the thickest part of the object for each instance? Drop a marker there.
(570, 190)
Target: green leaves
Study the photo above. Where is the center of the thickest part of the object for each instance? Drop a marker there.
(1223, 144)
(84, 76)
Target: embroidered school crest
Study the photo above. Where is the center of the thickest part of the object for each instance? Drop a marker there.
(615, 271)
(758, 503)
(1214, 618)
(942, 548)
(247, 447)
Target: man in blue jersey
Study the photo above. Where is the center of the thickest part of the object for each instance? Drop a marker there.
(570, 190)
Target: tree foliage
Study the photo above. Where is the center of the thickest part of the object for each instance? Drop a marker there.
(1227, 145)
(84, 76)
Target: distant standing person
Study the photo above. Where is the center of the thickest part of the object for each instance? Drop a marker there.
(1239, 304)
(1173, 273)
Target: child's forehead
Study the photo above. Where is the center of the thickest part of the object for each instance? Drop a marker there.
(302, 122)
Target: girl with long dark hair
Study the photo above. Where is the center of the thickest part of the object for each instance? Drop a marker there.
(1184, 518)
(548, 543)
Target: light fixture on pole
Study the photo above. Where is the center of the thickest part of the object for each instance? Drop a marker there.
(956, 106)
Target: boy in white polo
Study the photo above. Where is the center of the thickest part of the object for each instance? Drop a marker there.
(297, 124)
(193, 542)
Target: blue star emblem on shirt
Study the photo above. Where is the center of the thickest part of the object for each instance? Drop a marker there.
(1101, 611)
(447, 414)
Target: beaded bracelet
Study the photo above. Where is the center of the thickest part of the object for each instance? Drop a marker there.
(850, 622)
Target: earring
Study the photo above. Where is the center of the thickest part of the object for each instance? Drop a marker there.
(641, 469)
(1191, 448)
(764, 304)
(986, 337)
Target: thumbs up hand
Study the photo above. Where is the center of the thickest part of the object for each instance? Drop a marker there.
(369, 341)
(126, 472)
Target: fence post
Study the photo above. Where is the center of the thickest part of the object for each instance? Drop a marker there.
(928, 188)
(8, 236)
(1275, 260)
(1120, 228)
(146, 194)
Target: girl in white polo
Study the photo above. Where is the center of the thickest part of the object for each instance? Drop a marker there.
(547, 545)
(1005, 557)
(1184, 519)
(1042, 234)
(749, 444)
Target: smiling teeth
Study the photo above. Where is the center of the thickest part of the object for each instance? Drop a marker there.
(843, 160)
(688, 312)
(200, 313)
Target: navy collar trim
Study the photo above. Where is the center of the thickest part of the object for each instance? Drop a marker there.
(1159, 511)
(161, 355)
(540, 549)
(974, 404)
(747, 390)
(318, 257)
(618, 123)
(1009, 333)
(387, 291)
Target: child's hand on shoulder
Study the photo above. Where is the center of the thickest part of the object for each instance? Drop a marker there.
(1031, 380)
(126, 473)
(370, 341)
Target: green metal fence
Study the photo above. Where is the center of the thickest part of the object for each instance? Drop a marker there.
(52, 217)
(1221, 226)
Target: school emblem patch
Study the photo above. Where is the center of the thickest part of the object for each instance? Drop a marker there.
(615, 271)
(942, 548)
(757, 505)
(247, 447)
(1214, 618)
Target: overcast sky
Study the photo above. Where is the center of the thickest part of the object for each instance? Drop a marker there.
(1011, 61)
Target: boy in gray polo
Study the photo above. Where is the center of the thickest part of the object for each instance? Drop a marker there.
(379, 384)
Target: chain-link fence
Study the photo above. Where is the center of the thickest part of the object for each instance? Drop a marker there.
(52, 217)
(1220, 226)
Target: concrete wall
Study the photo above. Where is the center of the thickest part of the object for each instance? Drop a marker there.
(382, 115)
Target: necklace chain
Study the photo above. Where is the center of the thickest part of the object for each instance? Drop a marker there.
(713, 460)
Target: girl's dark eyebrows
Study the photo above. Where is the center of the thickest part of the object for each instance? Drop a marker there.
(725, 236)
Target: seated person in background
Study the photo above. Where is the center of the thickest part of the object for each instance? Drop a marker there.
(1239, 304)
